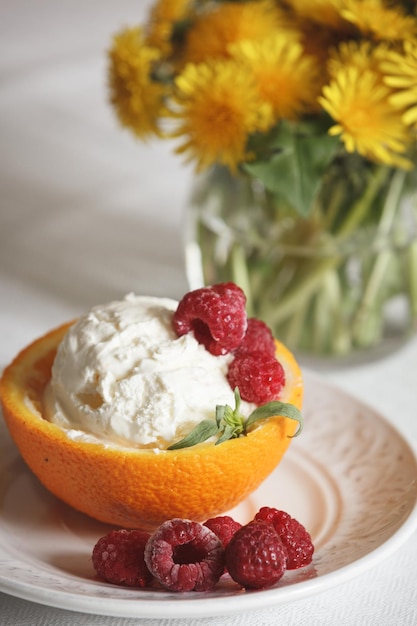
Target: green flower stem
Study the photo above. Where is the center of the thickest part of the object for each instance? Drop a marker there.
(371, 302)
(360, 209)
(304, 289)
(327, 330)
(394, 195)
(322, 281)
(296, 325)
(363, 331)
(412, 277)
(301, 293)
(320, 321)
(241, 274)
(332, 209)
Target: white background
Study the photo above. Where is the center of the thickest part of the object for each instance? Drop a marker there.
(88, 214)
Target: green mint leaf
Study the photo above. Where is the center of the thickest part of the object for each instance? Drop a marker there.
(228, 414)
(228, 433)
(230, 424)
(220, 411)
(203, 431)
(237, 399)
(272, 409)
(233, 421)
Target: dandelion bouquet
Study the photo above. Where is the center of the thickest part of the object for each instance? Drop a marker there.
(302, 117)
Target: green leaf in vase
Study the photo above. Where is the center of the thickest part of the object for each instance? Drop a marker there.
(295, 168)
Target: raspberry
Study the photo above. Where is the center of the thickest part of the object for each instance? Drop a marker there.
(216, 315)
(118, 558)
(259, 376)
(294, 536)
(258, 338)
(255, 556)
(185, 555)
(224, 527)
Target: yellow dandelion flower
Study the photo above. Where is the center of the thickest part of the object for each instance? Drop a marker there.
(163, 15)
(364, 55)
(402, 75)
(137, 100)
(286, 78)
(228, 23)
(218, 107)
(367, 123)
(326, 12)
(378, 20)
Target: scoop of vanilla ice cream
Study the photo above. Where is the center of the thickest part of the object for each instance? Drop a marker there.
(122, 375)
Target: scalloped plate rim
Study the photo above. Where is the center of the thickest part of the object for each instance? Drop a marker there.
(192, 605)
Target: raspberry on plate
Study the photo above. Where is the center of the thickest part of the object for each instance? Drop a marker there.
(184, 555)
(258, 338)
(295, 538)
(255, 556)
(216, 315)
(224, 527)
(118, 558)
(259, 376)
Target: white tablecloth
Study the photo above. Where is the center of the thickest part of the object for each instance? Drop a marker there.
(88, 214)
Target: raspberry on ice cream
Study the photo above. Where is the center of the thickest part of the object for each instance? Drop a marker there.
(259, 376)
(215, 314)
(118, 558)
(255, 556)
(258, 338)
(184, 556)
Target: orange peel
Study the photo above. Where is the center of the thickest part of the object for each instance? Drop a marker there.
(131, 487)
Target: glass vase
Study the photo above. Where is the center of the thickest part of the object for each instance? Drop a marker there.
(341, 281)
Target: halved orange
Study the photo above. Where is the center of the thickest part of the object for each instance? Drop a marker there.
(138, 488)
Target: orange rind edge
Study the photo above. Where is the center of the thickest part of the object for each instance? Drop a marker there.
(135, 488)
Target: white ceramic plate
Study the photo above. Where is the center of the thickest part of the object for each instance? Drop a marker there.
(350, 478)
